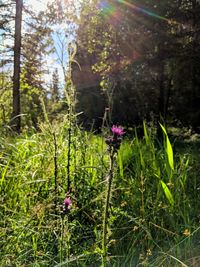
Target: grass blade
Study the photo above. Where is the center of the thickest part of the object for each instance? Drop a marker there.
(167, 192)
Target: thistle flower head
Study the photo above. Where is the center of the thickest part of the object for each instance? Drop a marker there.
(117, 131)
(67, 204)
(114, 141)
(67, 201)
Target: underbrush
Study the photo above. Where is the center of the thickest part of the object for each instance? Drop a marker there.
(154, 205)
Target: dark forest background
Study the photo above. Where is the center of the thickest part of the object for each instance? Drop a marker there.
(147, 65)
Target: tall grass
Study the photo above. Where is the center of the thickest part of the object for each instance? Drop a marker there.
(153, 218)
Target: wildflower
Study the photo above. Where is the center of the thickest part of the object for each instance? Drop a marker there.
(186, 232)
(67, 205)
(117, 131)
(115, 140)
(149, 253)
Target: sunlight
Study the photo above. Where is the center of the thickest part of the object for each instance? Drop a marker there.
(40, 5)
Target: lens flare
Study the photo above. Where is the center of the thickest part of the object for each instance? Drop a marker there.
(112, 11)
(142, 10)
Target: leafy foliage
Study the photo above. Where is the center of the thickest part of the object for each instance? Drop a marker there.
(140, 50)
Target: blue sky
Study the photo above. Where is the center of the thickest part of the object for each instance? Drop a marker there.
(60, 57)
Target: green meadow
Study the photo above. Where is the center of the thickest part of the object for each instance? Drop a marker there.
(153, 211)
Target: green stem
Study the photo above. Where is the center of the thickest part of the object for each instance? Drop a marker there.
(62, 237)
(55, 171)
(106, 210)
(64, 251)
(69, 158)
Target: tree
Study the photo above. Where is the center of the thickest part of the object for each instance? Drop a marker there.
(36, 46)
(111, 45)
(55, 86)
(6, 33)
(32, 44)
(186, 77)
(136, 49)
(16, 120)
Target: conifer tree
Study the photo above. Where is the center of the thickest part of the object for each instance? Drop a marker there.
(35, 48)
(16, 120)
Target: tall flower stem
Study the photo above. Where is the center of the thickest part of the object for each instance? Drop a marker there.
(55, 172)
(70, 100)
(113, 143)
(64, 251)
(62, 238)
(69, 157)
(106, 209)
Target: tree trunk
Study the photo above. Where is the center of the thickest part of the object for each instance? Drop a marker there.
(16, 120)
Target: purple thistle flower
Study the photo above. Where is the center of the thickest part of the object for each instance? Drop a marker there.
(67, 204)
(114, 141)
(117, 131)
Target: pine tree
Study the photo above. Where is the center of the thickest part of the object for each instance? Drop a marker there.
(35, 47)
(55, 86)
(16, 120)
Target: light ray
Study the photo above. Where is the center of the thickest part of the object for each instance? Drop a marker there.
(111, 10)
(142, 10)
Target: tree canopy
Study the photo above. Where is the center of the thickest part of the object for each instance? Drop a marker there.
(140, 50)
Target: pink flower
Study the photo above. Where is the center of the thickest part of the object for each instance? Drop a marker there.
(67, 204)
(117, 131)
